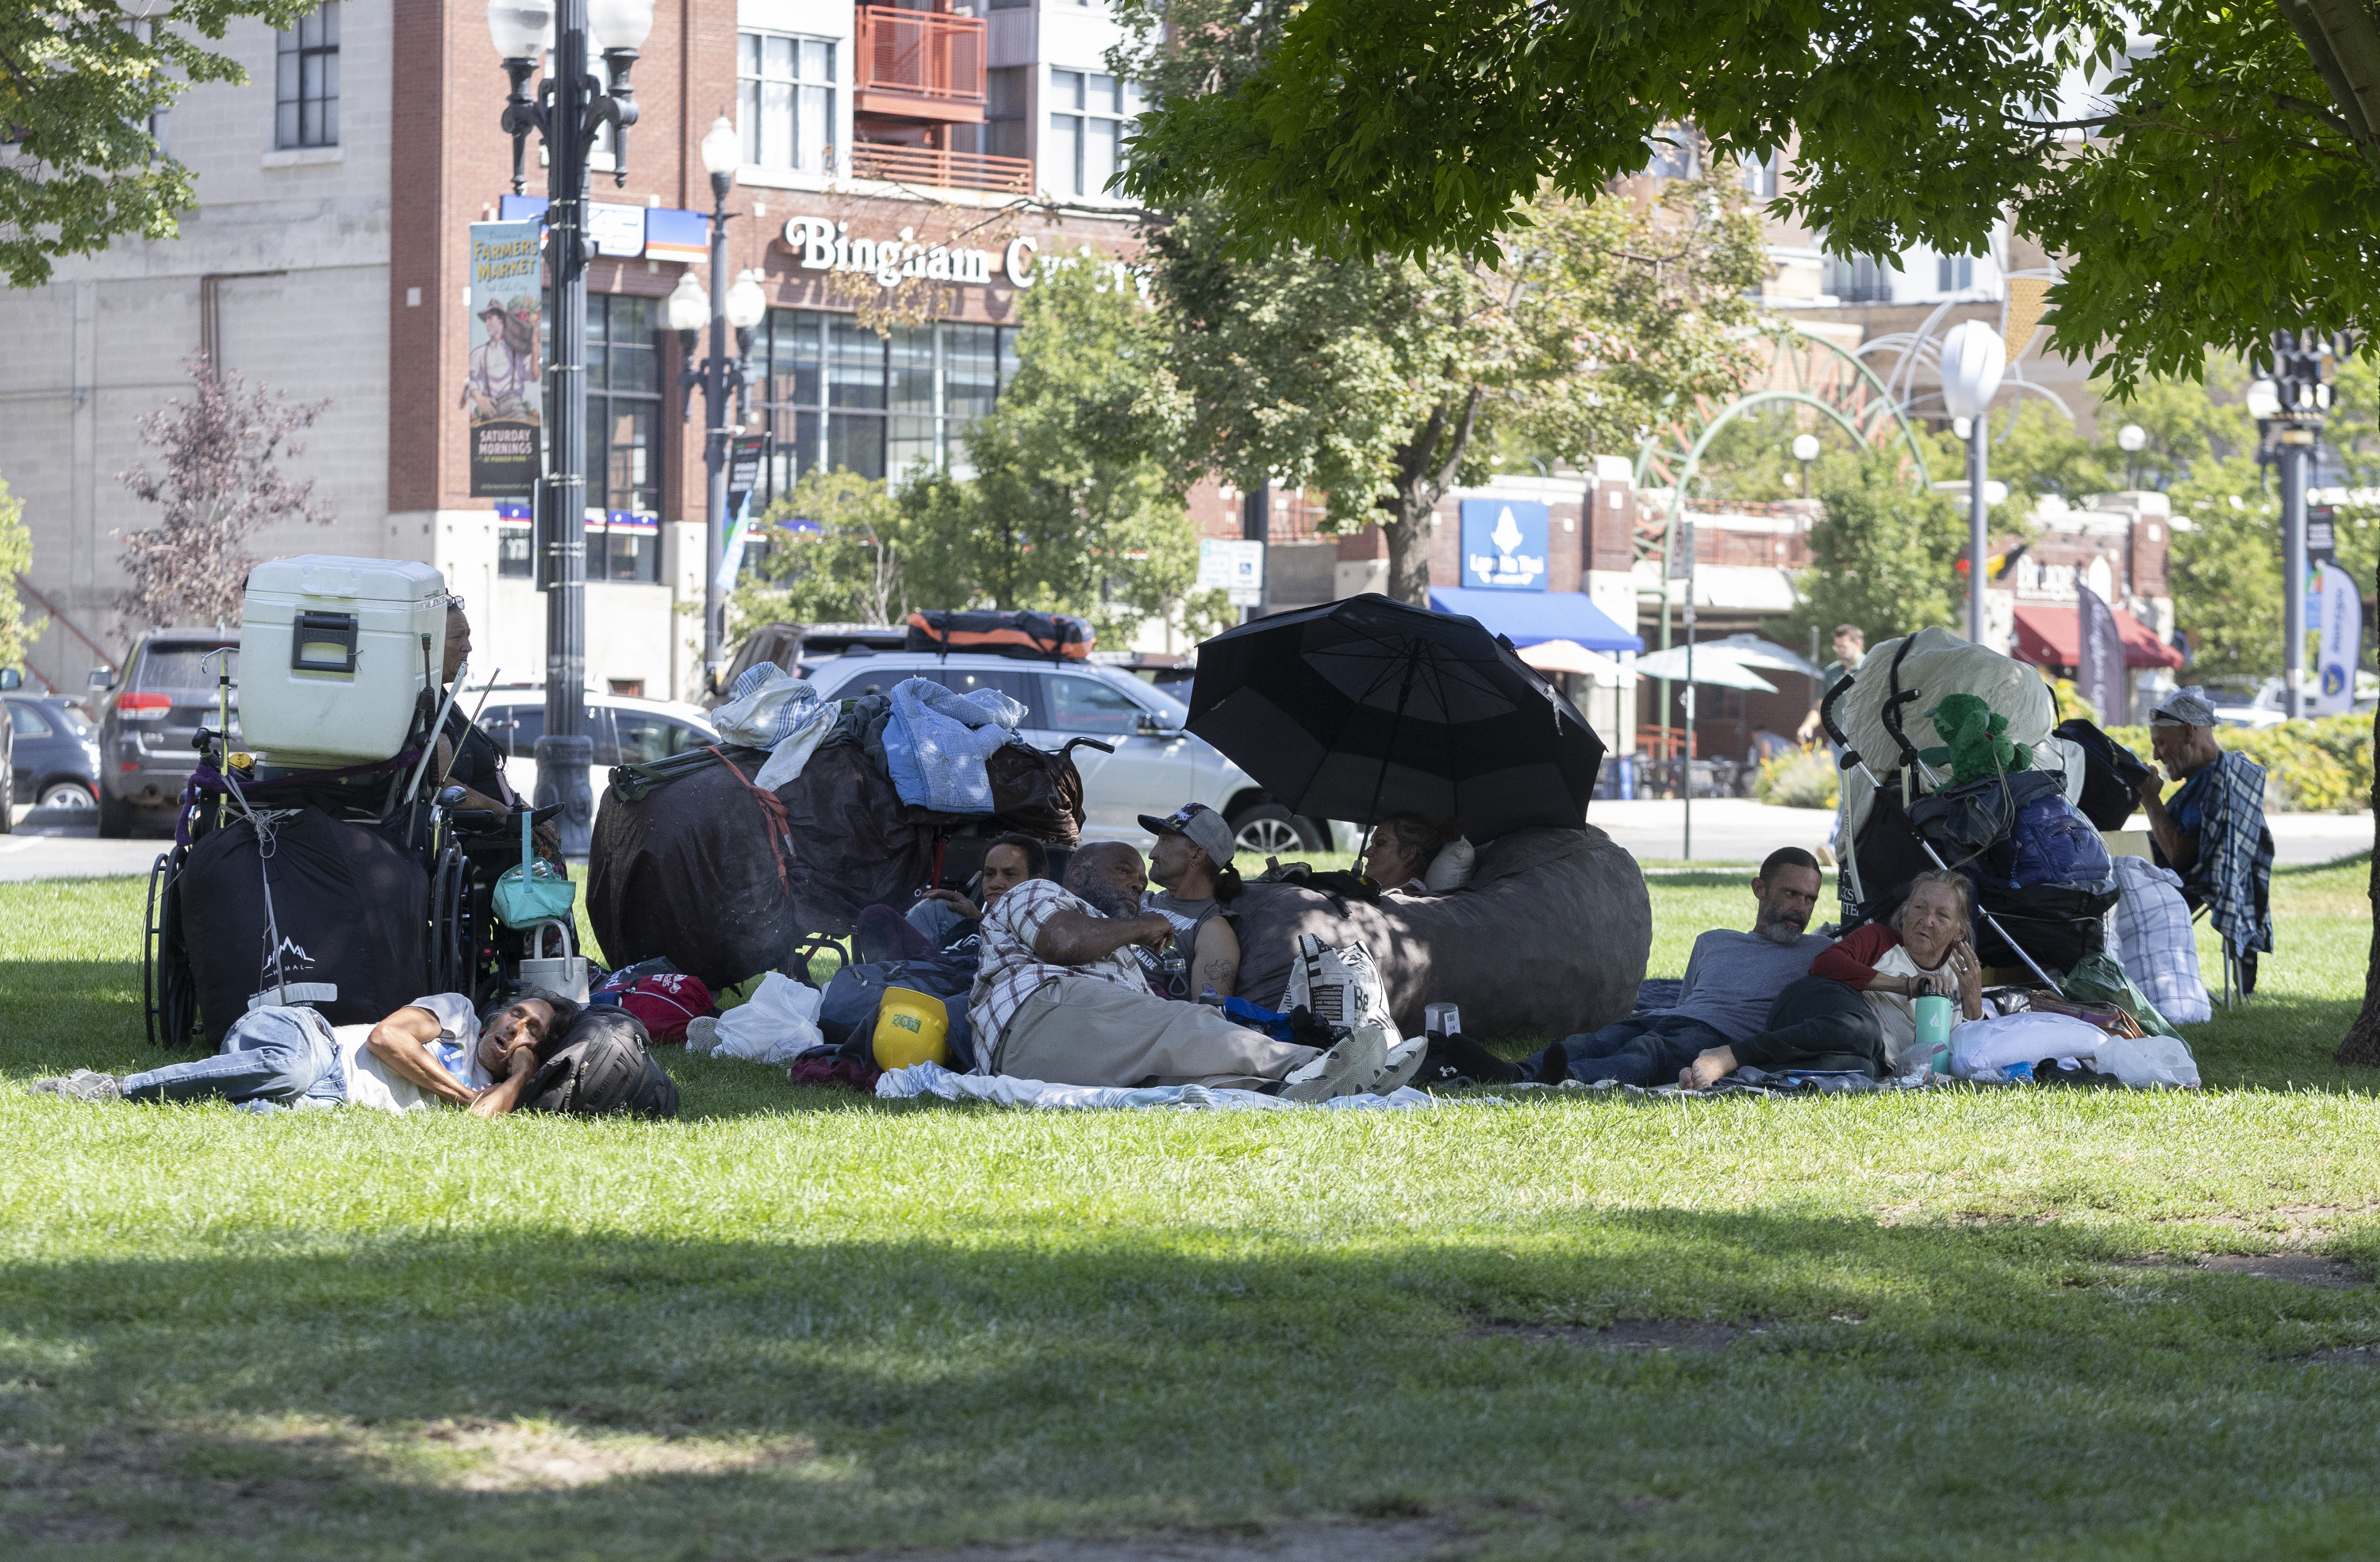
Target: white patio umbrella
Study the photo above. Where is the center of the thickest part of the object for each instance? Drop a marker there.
(1750, 650)
(1713, 666)
(1569, 656)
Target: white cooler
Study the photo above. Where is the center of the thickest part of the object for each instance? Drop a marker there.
(334, 655)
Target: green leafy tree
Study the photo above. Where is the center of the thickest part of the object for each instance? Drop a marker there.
(1073, 506)
(1883, 556)
(16, 558)
(837, 547)
(79, 86)
(1385, 383)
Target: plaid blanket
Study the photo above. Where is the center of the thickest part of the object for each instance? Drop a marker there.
(2233, 875)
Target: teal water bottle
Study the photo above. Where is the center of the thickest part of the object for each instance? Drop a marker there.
(1935, 1016)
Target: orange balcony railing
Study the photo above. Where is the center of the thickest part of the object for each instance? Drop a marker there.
(949, 170)
(923, 65)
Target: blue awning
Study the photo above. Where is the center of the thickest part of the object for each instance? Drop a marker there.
(1529, 618)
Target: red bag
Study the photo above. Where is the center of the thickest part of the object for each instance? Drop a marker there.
(666, 1002)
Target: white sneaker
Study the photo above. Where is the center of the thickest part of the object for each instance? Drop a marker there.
(1404, 1061)
(1350, 1068)
(702, 1033)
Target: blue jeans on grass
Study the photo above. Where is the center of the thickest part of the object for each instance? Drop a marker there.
(272, 1059)
(1641, 1049)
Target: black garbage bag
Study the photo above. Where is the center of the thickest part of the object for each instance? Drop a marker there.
(351, 905)
(2112, 774)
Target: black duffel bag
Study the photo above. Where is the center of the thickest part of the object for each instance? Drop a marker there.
(604, 1069)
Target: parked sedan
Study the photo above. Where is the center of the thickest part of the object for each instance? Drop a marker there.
(625, 729)
(57, 753)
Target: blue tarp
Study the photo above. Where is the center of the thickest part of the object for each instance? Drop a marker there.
(1529, 618)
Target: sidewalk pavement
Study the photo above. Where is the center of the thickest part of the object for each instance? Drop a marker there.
(1737, 829)
(1727, 830)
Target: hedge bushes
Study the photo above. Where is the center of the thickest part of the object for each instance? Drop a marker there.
(2310, 766)
(1798, 778)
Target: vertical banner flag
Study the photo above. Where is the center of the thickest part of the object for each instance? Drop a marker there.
(746, 454)
(2342, 644)
(502, 394)
(2099, 661)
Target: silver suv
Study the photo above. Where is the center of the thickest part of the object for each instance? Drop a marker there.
(1156, 766)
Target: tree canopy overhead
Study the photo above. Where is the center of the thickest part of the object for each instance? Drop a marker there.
(2211, 173)
(79, 86)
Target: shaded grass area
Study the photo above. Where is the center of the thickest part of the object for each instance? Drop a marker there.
(798, 1321)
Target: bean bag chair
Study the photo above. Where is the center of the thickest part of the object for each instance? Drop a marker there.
(1549, 938)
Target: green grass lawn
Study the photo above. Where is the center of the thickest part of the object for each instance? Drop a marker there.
(1958, 1323)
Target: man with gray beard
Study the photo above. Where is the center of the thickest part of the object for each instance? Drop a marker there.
(1731, 979)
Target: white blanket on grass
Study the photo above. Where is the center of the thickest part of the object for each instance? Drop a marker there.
(932, 1079)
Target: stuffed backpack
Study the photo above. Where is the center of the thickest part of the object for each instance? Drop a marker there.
(605, 1069)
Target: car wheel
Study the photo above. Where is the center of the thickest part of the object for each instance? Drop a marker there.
(1268, 829)
(63, 794)
(115, 816)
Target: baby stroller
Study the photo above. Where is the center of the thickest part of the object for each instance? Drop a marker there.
(2039, 910)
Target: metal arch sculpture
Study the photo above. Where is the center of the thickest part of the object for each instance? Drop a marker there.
(1804, 371)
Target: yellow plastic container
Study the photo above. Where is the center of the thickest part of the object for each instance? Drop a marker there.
(911, 1027)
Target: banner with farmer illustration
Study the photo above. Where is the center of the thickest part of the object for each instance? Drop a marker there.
(503, 392)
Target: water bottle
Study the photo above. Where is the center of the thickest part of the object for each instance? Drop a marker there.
(1935, 1017)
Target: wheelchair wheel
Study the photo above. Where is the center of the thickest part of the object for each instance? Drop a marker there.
(169, 996)
(451, 943)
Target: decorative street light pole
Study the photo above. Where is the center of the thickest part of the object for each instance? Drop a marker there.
(2131, 439)
(571, 108)
(2289, 410)
(1973, 358)
(1806, 450)
(720, 376)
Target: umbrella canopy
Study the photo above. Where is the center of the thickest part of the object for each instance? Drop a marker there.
(1750, 650)
(1712, 666)
(1366, 708)
(1569, 656)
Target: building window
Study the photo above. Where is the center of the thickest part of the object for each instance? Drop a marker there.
(623, 416)
(1089, 123)
(1860, 279)
(1954, 273)
(837, 394)
(156, 124)
(1006, 117)
(306, 81)
(1676, 152)
(786, 101)
(513, 561)
(1760, 176)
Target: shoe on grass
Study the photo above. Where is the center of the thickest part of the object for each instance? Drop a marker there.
(1352, 1067)
(702, 1033)
(1458, 1060)
(1405, 1061)
(83, 1084)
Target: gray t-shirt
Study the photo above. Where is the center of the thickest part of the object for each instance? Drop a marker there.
(1732, 977)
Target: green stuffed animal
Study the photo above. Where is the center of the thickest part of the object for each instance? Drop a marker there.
(1975, 735)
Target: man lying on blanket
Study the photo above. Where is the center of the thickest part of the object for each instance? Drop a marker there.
(1058, 997)
(435, 1051)
(1857, 1012)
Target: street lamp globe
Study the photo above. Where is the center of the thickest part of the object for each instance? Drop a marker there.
(144, 9)
(523, 30)
(621, 24)
(748, 305)
(688, 307)
(2263, 401)
(1973, 358)
(2131, 439)
(1805, 447)
(722, 154)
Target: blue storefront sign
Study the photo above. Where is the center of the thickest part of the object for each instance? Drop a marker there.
(1504, 544)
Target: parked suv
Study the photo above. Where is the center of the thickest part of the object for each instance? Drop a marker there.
(154, 710)
(56, 762)
(1155, 768)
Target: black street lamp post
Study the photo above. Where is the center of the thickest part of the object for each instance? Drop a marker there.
(568, 113)
(739, 306)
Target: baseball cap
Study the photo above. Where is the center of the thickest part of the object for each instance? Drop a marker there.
(1203, 827)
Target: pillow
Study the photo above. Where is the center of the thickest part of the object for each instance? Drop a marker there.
(1451, 869)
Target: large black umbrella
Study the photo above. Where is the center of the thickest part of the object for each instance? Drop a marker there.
(1368, 708)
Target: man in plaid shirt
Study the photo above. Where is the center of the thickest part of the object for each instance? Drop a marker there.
(1059, 998)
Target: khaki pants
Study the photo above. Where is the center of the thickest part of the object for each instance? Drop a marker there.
(1078, 1030)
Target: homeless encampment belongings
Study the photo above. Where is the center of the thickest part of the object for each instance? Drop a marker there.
(347, 902)
(694, 862)
(2038, 868)
(1549, 937)
(604, 1068)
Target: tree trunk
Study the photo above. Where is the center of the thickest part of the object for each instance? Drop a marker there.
(1426, 468)
(2362, 1044)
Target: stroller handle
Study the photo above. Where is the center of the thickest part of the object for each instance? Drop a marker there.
(1846, 756)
